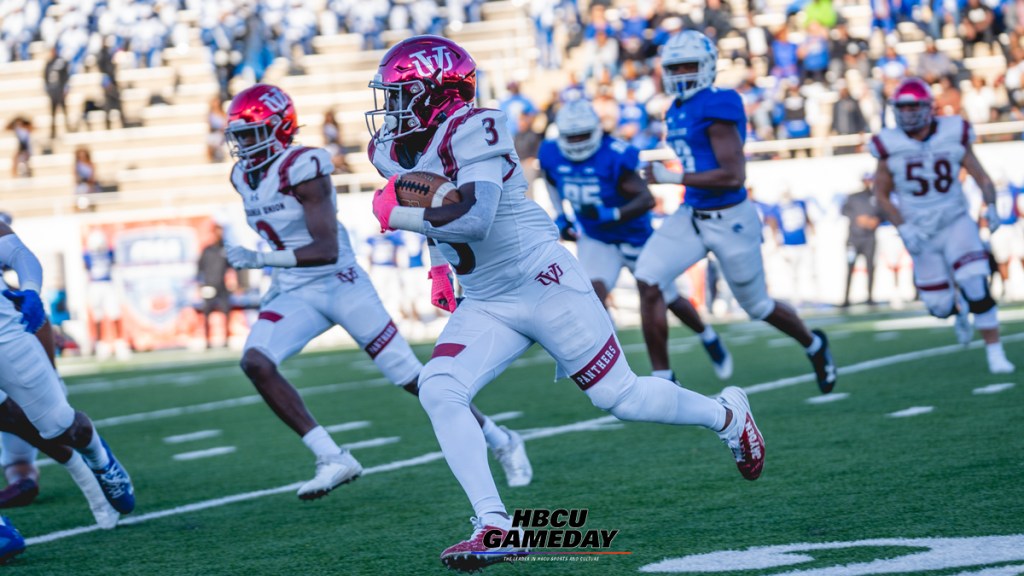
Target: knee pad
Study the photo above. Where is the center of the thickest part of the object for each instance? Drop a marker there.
(610, 392)
(939, 303)
(14, 450)
(975, 291)
(441, 386)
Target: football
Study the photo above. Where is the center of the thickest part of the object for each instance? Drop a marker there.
(425, 190)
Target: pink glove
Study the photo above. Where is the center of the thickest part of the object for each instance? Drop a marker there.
(442, 294)
(384, 201)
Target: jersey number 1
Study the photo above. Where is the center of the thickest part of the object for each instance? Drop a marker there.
(943, 177)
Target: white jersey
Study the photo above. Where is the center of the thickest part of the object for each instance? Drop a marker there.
(506, 257)
(926, 174)
(272, 210)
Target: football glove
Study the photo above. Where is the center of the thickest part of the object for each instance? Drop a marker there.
(662, 175)
(384, 201)
(240, 258)
(992, 218)
(31, 307)
(912, 237)
(566, 228)
(442, 294)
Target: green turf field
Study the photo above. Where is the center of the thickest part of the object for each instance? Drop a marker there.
(847, 488)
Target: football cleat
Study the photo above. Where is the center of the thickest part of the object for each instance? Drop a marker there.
(20, 493)
(472, 554)
(824, 366)
(115, 483)
(513, 460)
(997, 361)
(11, 541)
(331, 472)
(742, 435)
(720, 358)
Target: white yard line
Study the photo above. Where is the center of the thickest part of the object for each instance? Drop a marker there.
(346, 426)
(372, 443)
(192, 436)
(208, 453)
(912, 411)
(827, 398)
(993, 388)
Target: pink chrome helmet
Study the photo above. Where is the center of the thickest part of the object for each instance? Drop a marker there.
(912, 104)
(261, 124)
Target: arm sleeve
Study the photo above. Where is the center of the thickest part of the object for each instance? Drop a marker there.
(476, 222)
(15, 255)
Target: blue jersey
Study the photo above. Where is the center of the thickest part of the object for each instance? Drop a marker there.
(99, 264)
(1006, 204)
(595, 182)
(688, 122)
(792, 219)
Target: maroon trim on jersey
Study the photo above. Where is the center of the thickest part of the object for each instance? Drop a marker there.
(445, 150)
(378, 344)
(968, 258)
(371, 151)
(965, 138)
(285, 185)
(512, 170)
(944, 285)
(447, 350)
(270, 315)
(882, 152)
(599, 366)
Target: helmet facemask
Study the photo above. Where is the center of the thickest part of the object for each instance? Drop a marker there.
(394, 106)
(254, 143)
(684, 78)
(913, 116)
(579, 131)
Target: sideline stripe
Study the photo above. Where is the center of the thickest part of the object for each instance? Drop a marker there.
(434, 456)
(877, 363)
(218, 502)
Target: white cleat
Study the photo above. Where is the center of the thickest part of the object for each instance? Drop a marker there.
(331, 472)
(962, 326)
(513, 460)
(997, 362)
(105, 515)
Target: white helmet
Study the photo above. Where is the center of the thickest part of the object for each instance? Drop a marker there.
(579, 130)
(688, 46)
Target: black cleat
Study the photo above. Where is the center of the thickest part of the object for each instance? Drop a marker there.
(824, 366)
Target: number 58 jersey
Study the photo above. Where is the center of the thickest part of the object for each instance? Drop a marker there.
(926, 174)
(272, 210)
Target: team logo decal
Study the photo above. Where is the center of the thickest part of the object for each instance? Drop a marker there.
(553, 275)
(427, 62)
(275, 100)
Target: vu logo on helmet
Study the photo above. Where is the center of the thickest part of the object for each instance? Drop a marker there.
(275, 100)
(427, 64)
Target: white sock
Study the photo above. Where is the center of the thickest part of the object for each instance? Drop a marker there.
(664, 375)
(495, 435)
(994, 349)
(708, 335)
(651, 399)
(94, 454)
(320, 442)
(815, 344)
(85, 480)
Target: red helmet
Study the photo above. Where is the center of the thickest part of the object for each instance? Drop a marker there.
(261, 124)
(912, 103)
(424, 80)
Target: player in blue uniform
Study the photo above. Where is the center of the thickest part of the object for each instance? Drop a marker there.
(706, 128)
(597, 174)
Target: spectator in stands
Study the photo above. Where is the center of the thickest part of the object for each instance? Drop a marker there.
(85, 178)
(527, 144)
(864, 216)
(602, 55)
(426, 18)
(217, 120)
(944, 12)
(820, 12)
(333, 144)
(633, 46)
(847, 117)
(108, 70)
(714, 19)
(212, 276)
(515, 106)
(847, 53)
(22, 128)
(892, 64)
(1013, 18)
(1013, 80)
(791, 114)
(542, 12)
(934, 64)
(883, 16)
(57, 74)
(948, 100)
(813, 53)
(784, 57)
(978, 25)
(979, 101)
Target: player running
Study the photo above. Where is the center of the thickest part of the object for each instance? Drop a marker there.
(289, 200)
(521, 286)
(32, 401)
(597, 174)
(920, 162)
(707, 128)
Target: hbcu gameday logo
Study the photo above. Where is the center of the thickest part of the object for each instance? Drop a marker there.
(559, 528)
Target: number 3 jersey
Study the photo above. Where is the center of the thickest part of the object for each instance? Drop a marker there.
(595, 182)
(687, 122)
(273, 211)
(504, 259)
(926, 173)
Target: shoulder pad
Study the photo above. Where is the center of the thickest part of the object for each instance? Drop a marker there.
(302, 164)
(479, 134)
